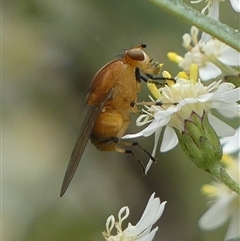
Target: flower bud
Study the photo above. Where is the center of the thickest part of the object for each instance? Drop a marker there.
(200, 141)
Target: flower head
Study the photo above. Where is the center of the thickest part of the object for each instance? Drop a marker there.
(185, 103)
(224, 203)
(211, 55)
(142, 230)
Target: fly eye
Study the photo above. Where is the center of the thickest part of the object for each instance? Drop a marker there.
(135, 54)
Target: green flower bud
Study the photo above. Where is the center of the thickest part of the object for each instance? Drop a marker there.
(200, 142)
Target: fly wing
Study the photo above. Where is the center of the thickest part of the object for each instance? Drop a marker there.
(85, 132)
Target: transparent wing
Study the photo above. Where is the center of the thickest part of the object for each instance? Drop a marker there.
(85, 132)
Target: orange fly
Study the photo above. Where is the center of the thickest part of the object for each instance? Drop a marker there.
(113, 92)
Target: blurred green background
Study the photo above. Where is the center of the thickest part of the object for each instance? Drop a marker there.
(51, 50)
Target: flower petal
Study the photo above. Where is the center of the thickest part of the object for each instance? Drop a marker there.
(130, 231)
(231, 95)
(130, 136)
(151, 214)
(164, 113)
(231, 144)
(229, 110)
(233, 228)
(205, 97)
(235, 5)
(156, 139)
(209, 71)
(222, 93)
(156, 124)
(213, 11)
(169, 140)
(148, 207)
(229, 56)
(184, 102)
(149, 236)
(222, 129)
(217, 214)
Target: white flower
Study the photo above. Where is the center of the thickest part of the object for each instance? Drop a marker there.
(211, 55)
(225, 203)
(180, 101)
(142, 230)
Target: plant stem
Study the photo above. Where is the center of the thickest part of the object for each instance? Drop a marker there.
(220, 173)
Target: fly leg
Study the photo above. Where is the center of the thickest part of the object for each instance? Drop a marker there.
(123, 149)
(153, 79)
(129, 143)
(129, 151)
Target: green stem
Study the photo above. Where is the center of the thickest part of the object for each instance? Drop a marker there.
(220, 173)
(208, 25)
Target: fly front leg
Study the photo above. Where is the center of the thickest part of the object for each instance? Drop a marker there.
(153, 79)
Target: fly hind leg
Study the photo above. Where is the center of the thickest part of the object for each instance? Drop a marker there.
(129, 143)
(129, 151)
(121, 147)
